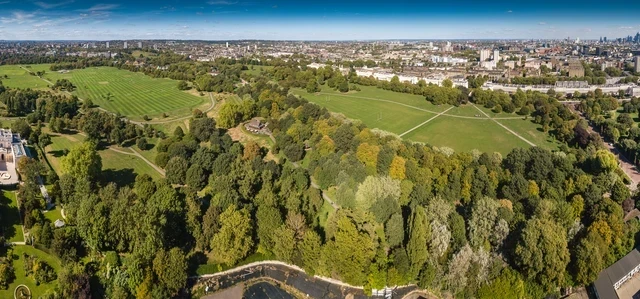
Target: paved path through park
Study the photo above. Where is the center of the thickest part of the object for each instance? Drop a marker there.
(428, 120)
(505, 127)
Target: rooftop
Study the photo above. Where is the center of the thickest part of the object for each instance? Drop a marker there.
(610, 276)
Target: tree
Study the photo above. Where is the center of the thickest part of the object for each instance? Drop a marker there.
(542, 252)
(284, 243)
(269, 219)
(397, 168)
(375, 189)
(230, 115)
(507, 285)
(394, 230)
(178, 132)
(171, 269)
(142, 143)
(22, 127)
(313, 86)
(418, 237)
(349, 252)
(605, 161)
(310, 251)
(233, 241)
(202, 128)
(619, 192)
(483, 221)
(177, 170)
(83, 162)
(196, 177)
(183, 85)
(590, 258)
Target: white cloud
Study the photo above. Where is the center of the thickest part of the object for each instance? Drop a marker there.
(18, 17)
(509, 11)
(625, 27)
(101, 7)
(46, 5)
(222, 2)
(542, 23)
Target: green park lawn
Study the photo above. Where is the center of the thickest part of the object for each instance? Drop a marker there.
(532, 132)
(117, 167)
(375, 114)
(18, 77)
(53, 215)
(131, 94)
(18, 264)
(257, 69)
(10, 217)
(467, 134)
(461, 128)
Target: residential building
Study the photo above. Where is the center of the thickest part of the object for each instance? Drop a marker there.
(496, 55)
(107, 45)
(126, 46)
(636, 65)
(484, 55)
(576, 69)
(140, 45)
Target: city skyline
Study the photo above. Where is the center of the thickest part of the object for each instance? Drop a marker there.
(327, 20)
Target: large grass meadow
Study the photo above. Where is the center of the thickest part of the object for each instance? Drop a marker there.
(131, 94)
(461, 128)
(20, 77)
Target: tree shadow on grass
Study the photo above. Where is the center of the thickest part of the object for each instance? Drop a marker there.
(10, 217)
(122, 177)
(57, 154)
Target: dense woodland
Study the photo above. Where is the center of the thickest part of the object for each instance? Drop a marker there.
(468, 224)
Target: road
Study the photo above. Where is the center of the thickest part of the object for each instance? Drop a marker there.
(292, 276)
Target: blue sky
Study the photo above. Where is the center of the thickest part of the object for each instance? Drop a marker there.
(315, 20)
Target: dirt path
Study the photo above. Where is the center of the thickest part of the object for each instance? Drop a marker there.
(505, 127)
(428, 120)
(325, 196)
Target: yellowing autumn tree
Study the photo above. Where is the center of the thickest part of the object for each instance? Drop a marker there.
(368, 154)
(397, 169)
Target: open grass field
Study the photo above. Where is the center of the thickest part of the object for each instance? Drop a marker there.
(532, 132)
(18, 264)
(18, 77)
(466, 135)
(461, 128)
(10, 223)
(117, 167)
(257, 69)
(131, 94)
